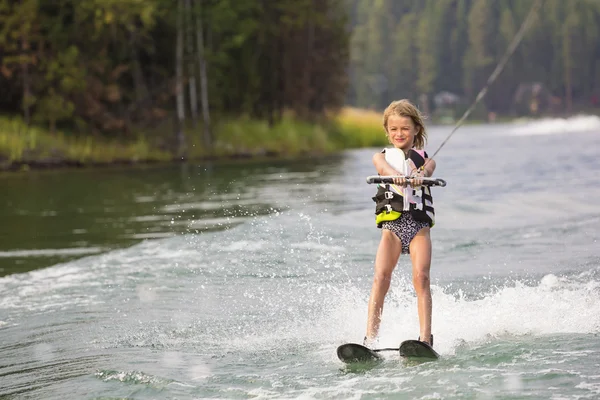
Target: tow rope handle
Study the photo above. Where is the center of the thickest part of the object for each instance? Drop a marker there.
(390, 179)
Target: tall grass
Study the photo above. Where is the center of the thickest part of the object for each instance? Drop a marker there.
(350, 128)
(246, 136)
(22, 143)
(357, 128)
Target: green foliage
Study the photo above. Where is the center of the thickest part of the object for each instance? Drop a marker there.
(22, 143)
(289, 136)
(356, 128)
(240, 136)
(108, 66)
(453, 45)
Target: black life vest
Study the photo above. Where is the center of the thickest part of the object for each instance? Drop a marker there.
(389, 204)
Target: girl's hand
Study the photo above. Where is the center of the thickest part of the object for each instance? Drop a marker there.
(400, 181)
(417, 176)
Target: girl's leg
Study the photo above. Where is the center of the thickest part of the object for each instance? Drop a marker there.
(385, 262)
(420, 254)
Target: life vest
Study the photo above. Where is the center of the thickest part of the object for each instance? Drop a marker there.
(392, 200)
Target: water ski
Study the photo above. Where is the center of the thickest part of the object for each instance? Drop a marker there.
(417, 349)
(356, 353)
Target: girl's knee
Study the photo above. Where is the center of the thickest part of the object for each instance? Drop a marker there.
(421, 280)
(382, 278)
(382, 281)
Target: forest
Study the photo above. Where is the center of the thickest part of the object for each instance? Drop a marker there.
(106, 66)
(126, 69)
(420, 49)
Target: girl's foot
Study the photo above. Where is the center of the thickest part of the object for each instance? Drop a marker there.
(369, 342)
(424, 341)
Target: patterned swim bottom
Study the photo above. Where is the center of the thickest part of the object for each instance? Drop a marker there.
(406, 228)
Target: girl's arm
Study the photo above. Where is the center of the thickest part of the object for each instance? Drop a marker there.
(425, 171)
(429, 167)
(382, 167)
(385, 169)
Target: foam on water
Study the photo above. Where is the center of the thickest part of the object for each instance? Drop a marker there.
(517, 309)
(323, 302)
(207, 308)
(551, 126)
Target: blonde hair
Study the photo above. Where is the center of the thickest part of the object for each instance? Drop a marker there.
(404, 108)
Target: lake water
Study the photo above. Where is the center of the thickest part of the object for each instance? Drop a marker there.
(240, 280)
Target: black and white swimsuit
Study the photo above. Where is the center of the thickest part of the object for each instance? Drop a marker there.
(406, 228)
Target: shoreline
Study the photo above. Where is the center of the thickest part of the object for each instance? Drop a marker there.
(240, 139)
(66, 164)
(24, 148)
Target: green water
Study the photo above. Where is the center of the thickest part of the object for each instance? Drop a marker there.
(56, 216)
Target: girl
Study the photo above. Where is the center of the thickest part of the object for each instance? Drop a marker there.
(404, 213)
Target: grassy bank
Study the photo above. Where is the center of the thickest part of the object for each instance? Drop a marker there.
(23, 146)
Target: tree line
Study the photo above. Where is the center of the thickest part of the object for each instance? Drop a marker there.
(107, 66)
(420, 48)
(111, 66)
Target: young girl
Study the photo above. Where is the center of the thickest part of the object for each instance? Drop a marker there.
(404, 213)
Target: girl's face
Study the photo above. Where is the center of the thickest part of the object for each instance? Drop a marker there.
(401, 132)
